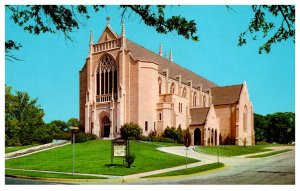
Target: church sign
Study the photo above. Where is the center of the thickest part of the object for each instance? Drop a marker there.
(119, 150)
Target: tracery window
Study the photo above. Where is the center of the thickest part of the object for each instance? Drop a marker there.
(245, 118)
(172, 89)
(204, 101)
(184, 92)
(107, 76)
(195, 99)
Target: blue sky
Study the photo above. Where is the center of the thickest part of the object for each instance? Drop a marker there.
(50, 67)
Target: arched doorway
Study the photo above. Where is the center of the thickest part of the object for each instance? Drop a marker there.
(216, 137)
(106, 126)
(197, 136)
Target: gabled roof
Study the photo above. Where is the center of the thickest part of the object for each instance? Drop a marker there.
(226, 94)
(198, 115)
(143, 54)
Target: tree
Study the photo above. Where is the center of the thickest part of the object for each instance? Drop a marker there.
(259, 23)
(261, 125)
(22, 117)
(37, 19)
(73, 122)
(60, 125)
(130, 130)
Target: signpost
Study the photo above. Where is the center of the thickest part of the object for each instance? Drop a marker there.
(120, 148)
(73, 130)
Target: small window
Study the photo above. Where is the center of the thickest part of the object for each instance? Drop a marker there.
(154, 126)
(179, 107)
(146, 125)
(160, 116)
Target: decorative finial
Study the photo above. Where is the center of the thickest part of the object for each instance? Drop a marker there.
(91, 37)
(108, 20)
(171, 56)
(160, 49)
(123, 28)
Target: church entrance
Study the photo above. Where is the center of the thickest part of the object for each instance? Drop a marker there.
(106, 126)
(197, 136)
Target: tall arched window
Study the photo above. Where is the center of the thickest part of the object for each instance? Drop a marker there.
(204, 101)
(245, 118)
(172, 89)
(159, 85)
(107, 75)
(184, 92)
(146, 125)
(195, 99)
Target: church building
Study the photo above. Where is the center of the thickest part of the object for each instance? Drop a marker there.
(124, 82)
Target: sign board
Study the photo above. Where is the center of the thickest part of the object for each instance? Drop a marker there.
(119, 150)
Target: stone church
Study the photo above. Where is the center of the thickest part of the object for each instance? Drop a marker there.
(123, 82)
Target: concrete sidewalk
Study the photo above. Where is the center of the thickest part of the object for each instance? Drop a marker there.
(35, 149)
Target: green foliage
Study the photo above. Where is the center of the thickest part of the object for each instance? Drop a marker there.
(83, 137)
(60, 125)
(41, 135)
(130, 130)
(129, 160)
(73, 122)
(187, 139)
(259, 23)
(22, 117)
(174, 134)
(37, 19)
(278, 127)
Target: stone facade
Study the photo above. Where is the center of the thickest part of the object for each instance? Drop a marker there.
(122, 82)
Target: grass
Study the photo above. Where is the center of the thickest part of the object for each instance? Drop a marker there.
(93, 156)
(269, 154)
(235, 150)
(190, 170)
(17, 148)
(231, 150)
(48, 175)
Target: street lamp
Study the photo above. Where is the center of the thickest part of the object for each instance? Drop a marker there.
(73, 130)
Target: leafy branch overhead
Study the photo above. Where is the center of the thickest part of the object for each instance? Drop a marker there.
(37, 19)
(259, 23)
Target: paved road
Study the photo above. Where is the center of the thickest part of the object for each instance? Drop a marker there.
(10, 181)
(279, 169)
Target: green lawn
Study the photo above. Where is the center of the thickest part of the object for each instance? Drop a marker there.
(17, 148)
(48, 175)
(190, 170)
(93, 156)
(232, 150)
(269, 154)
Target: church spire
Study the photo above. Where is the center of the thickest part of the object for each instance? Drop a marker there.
(123, 38)
(123, 28)
(171, 56)
(91, 37)
(160, 49)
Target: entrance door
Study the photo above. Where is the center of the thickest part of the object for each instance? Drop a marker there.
(197, 137)
(106, 130)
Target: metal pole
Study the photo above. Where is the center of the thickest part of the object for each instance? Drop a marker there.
(218, 155)
(186, 148)
(73, 150)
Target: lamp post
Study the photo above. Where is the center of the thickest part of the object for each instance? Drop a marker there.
(73, 130)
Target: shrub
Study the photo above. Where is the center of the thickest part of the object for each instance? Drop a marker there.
(129, 160)
(130, 130)
(41, 135)
(83, 137)
(172, 133)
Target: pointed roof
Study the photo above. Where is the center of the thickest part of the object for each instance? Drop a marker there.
(108, 33)
(143, 54)
(226, 94)
(198, 115)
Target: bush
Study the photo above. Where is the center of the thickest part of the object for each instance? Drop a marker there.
(172, 133)
(130, 130)
(129, 160)
(83, 137)
(42, 136)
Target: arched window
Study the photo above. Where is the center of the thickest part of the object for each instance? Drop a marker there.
(172, 89)
(146, 125)
(195, 99)
(159, 85)
(204, 101)
(184, 92)
(245, 118)
(107, 75)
